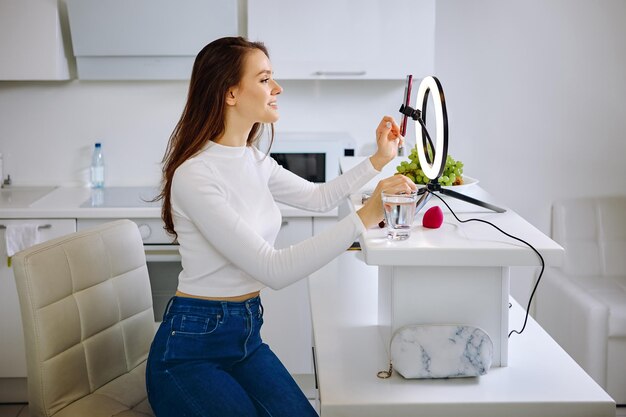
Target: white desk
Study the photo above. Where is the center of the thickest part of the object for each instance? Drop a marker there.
(458, 273)
(540, 380)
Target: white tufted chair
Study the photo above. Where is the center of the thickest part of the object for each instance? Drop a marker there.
(583, 305)
(88, 323)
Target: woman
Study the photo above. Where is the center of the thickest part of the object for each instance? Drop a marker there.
(219, 200)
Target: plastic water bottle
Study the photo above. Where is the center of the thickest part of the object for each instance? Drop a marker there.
(97, 167)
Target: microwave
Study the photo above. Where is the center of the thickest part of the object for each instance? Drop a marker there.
(313, 156)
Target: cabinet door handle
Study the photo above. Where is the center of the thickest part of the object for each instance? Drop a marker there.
(284, 223)
(43, 226)
(317, 385)
(340, 73)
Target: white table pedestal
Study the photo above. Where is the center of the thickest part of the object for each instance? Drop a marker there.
(541, 380)
(476, 296)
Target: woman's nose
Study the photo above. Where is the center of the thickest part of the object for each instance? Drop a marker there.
(277, 88)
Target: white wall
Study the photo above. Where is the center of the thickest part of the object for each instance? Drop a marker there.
(534, 92)
(535, 96)
(47, 129)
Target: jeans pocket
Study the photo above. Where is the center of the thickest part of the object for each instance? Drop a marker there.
(195, 325)
(190, 336)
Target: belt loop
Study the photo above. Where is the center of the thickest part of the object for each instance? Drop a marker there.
(167, 307)
(224, 310)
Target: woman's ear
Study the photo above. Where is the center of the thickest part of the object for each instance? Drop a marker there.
(231, 96)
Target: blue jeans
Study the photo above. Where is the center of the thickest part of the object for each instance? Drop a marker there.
(207, 359)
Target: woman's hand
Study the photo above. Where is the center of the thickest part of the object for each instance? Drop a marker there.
(388, 139)
(372, 211)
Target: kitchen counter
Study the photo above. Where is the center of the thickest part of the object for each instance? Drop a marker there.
(83, 202)
(540, 380)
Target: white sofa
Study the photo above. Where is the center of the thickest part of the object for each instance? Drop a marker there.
(583, 304)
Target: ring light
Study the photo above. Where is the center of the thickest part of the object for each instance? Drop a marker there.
(435, 169)
(439, 149)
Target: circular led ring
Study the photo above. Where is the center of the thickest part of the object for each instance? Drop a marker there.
(434, 170)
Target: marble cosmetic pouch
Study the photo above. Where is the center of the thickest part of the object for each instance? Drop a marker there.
(440, 351)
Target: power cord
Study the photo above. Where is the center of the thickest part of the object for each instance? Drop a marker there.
(543, 264)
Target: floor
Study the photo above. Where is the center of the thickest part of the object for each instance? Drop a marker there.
(21, 410)
(306, 383)
(14, 410)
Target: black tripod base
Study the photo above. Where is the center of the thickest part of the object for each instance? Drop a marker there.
(432, 187)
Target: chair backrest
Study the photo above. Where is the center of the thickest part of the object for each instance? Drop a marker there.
(593, 233)
(87, 313)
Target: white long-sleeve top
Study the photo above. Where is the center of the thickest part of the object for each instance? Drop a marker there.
(225, 213)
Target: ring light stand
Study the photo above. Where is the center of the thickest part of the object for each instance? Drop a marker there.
(434, 166)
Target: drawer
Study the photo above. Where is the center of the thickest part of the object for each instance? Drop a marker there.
(294, 230)
(48, 228)
(13, 359)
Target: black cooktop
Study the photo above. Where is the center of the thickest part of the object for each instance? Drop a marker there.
(122, 197)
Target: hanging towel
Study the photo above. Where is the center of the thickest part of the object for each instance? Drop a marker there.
(19, 237)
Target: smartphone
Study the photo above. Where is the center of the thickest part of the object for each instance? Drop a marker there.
(406, 101)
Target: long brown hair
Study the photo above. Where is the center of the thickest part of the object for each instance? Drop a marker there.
(218, 66)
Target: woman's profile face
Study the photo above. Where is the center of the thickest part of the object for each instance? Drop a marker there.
(256, 94)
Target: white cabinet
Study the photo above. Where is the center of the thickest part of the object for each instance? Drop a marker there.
(322, 223)
(12, 357)
(346, 39)
(287, 327)
(31, 45)
(145, 39)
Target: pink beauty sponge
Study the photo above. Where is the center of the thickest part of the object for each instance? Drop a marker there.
(433, 217)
